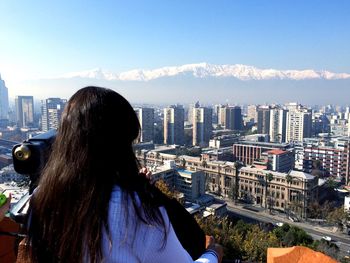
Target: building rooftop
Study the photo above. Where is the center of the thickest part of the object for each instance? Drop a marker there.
(301, 175)
(293, 173)
(264, 144)
(276, 152)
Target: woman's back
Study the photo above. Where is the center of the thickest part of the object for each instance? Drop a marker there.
(131, 240)
(134, 241)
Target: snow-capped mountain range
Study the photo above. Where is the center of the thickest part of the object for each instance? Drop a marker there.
(204, 70)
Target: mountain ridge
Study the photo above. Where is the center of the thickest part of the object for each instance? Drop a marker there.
(204, 70)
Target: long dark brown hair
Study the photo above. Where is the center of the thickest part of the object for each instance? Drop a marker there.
(92, 152)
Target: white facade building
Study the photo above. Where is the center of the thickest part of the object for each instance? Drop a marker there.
(299, 124)
(51, 112)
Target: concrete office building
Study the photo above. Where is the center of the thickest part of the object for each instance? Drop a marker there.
(24, 111)
(202, 126)
(250, 151)
(189, 183)
(4, 100)
(51, 113)
(146, 119)
(174, 125)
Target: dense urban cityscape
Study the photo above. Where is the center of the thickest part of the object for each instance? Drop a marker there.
(222, 125)
(289, 163)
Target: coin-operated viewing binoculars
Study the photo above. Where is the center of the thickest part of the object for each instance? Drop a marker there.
(29, 158)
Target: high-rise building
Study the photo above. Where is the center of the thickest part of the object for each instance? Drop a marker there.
(299, 124)
(174, 125)
(190, 111)
(264, 119)
(202, 126)
(252, 114)
(4, 100)
(24, 111)
(146, 119)
(278, 125)
(216, 111)
(222, 115)
(233, 118)
(51, 112)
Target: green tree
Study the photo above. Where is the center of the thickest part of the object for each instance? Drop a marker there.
(327, 248)
(256, 243)
(338, 216)
(292, 236)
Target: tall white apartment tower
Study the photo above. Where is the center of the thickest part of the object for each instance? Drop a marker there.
(278, 125)
(51, 112)
(252, 113)
(299, 124)
(24, 111)
(174, 125)
(146, 119)
(190, 111)
(4, 100)
(202, 126)
(222, 116)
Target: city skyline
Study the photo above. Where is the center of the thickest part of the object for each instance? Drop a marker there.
(37, 46)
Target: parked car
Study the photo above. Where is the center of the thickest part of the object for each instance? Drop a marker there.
(293, 219)
(279, 224)
(327, 238)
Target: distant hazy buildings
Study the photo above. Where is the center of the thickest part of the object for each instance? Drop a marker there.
(202, 126)
(146, 119)
(51, 112)
(229, 117)
(4, 100)
(174, 125)
(24, 111)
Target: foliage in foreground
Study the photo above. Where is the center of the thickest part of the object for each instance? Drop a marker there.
(249, 242)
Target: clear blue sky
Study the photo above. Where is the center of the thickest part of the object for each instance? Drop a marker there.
(58, 36)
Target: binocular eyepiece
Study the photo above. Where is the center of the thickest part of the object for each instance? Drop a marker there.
(22, 153)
